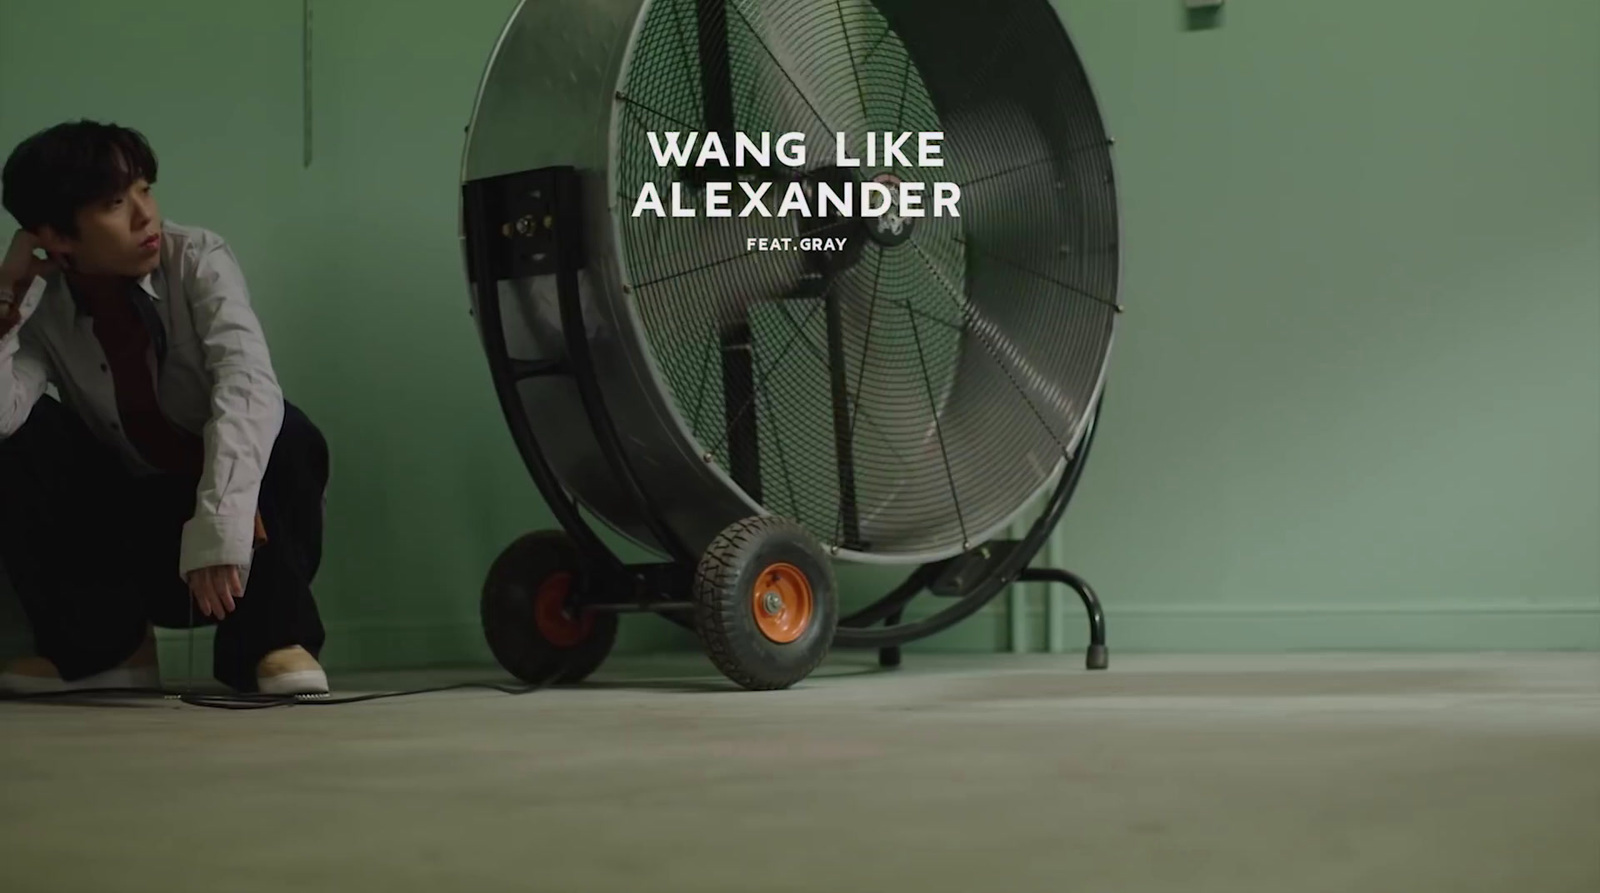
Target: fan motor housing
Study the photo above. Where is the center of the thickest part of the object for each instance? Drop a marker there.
(1038, 240)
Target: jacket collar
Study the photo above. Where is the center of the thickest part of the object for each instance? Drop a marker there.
(147, 283)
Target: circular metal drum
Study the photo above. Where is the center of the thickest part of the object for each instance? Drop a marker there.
(905, 394)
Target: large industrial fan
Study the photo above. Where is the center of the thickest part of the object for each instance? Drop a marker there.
(754, 397)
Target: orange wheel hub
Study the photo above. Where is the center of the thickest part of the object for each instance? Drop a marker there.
(782, 602)
(554, 619)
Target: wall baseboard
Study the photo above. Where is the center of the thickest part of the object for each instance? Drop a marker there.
(1249, 629)
(1131, 629)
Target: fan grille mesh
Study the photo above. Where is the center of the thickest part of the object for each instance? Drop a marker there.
(972, 350)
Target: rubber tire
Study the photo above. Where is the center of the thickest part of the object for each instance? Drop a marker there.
(506, 610)
(723, 581)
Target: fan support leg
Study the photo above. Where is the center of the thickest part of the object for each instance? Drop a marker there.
(890, 657)
(1097, 658)
(739, 409)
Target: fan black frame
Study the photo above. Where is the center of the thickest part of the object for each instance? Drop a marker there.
(496, 251)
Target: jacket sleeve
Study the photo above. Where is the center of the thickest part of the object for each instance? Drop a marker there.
(246, 410)
(24, 366)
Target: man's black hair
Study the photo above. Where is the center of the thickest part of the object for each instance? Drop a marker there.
(55, 173)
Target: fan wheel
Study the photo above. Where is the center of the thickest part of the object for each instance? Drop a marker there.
(766, 603)
(528, 619)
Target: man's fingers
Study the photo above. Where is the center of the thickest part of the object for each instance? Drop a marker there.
(219, 591)
(196, 591)
(205, 595)
(216, 590)
(208, 597)
(42, 266)
(230, 587)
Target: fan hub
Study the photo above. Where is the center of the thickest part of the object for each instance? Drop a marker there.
(830, 224)
(890, 229)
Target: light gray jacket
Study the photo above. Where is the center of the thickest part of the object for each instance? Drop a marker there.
(217, 381)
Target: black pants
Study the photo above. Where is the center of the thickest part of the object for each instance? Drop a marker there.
(92, 550)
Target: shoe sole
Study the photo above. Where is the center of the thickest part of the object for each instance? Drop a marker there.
(299, 682)
(120, 678)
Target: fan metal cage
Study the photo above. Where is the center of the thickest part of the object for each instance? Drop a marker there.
(903, 399)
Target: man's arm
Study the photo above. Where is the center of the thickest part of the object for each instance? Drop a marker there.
(246, 412)
(24, 366)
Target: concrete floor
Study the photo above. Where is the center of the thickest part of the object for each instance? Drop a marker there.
(1347, 773)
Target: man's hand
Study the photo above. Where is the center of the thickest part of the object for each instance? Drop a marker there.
(18, 267)
(19, 264)
(215, 589)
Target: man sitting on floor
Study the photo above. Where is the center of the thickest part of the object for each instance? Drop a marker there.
(171, 485)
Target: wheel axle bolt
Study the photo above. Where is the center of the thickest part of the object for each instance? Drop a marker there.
(772, 603)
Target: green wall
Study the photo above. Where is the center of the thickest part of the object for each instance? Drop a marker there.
(1356, 399)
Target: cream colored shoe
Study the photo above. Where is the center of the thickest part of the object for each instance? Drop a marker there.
(291, 671)
(38, 676)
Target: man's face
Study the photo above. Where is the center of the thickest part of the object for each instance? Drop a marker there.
(119, 235)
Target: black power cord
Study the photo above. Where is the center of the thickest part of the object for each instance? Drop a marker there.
(223, 701)
(242, 701)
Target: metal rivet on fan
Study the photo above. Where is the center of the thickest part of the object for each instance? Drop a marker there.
(627, 289)
(706, 457)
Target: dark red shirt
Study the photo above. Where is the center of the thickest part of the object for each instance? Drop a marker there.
(127, 345)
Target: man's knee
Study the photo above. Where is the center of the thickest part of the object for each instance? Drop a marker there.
(301, 449)
(49, 429)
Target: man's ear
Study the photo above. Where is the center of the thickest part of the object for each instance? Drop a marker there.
(54, 243)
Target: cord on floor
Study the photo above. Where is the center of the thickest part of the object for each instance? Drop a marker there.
(223, 701)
